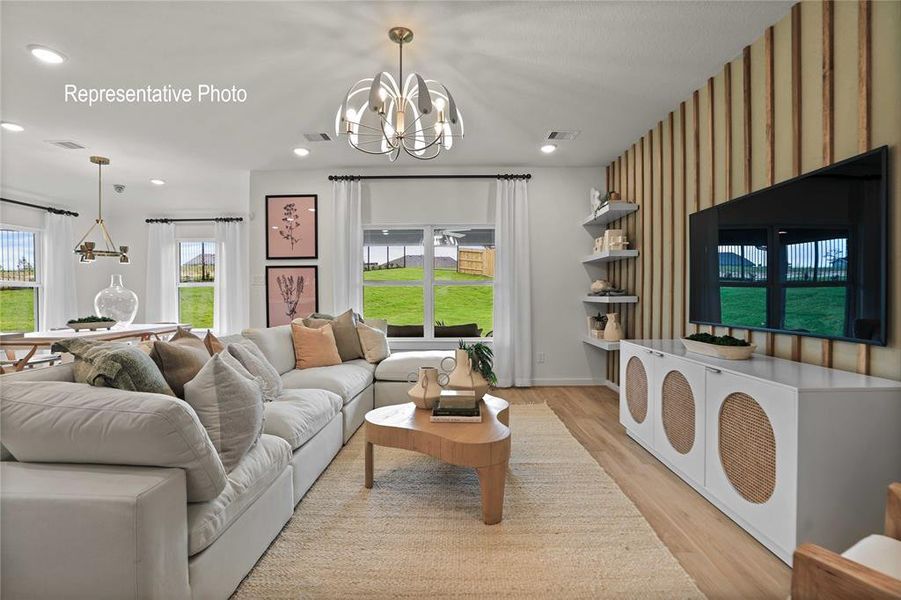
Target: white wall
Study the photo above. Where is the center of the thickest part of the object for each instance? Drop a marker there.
(558, 202)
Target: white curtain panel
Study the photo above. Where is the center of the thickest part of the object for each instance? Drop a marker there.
(512, 286)
(231, 288)
(347, 283)
(161, 301)
(57, 296)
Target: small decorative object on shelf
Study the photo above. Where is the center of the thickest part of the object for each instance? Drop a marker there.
(116, 302)
(725, 346)
(596, 325)
(91, 322)
(599, 286)
(613, 331)
(427, 389)
(595, 199)
(612, 196)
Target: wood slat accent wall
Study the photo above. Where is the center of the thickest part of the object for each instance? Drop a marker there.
(821, 85)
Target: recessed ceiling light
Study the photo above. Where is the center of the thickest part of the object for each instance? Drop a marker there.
(157, 182)
(384, 232)
(11, 126)
(47, 55)
(548, 148)
(301, 152)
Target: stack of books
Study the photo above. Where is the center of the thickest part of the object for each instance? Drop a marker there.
(457, 406)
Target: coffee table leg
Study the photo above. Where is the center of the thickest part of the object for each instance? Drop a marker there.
(368, 465)
(492, 480)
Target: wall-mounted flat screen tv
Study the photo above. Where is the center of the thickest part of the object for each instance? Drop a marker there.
(808, 256)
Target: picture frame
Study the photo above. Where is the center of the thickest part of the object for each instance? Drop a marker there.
(292, 292)
(291, 231)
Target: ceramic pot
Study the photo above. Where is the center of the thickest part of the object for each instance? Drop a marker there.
(427, 390)
(480, 385)
(116, 302)
(460, 377)
(613, 331)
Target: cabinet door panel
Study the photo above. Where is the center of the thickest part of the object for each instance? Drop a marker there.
(751, 457)
(636, 399)
(679, 418)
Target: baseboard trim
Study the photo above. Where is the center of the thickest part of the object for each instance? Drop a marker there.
(576, 381)
(612, 386)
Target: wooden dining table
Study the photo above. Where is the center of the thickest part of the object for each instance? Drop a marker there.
(35, 340)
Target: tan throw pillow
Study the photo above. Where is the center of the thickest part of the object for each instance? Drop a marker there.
(344, 328)
(380, 324)
(230, 407)
(375, 343)
(212, 343)
(314, 347)
(179, 363)
(185, 337)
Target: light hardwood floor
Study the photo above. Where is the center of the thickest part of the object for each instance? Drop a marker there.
(723, 560)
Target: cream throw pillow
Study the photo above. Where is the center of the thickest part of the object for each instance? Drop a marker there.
(374, 342)
(314, 347)
(230, 408)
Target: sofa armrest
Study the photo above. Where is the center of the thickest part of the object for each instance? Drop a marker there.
(93, 531)
(893, 511)
(820, 574)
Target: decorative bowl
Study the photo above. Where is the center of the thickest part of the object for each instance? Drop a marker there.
(726, 352)
(91, 326)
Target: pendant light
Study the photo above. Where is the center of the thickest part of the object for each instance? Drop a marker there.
(88, 251)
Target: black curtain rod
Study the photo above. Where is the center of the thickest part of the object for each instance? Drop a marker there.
(206, 220)
(361, 177)
(49, 209)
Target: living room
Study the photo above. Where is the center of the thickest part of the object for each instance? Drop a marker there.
(254, 258)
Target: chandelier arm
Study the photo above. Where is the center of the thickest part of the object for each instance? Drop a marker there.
(110, 245)
(417, 157)
(426, 147)
(370, 151)
(85, 236)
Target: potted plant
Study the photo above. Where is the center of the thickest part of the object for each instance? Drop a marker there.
(91, 322)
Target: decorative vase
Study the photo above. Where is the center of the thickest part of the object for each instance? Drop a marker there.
(116, 302)
(460, 377)
(613, 331)
(480, 385)
(427, 390)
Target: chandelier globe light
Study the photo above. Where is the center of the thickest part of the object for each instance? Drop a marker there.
(89, 251)
(378, 116)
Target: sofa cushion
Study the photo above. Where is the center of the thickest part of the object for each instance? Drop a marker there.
(879, 552)
(399, 365)
(251, 477)
(276, 344)
(76, 423)
(252, 359)
(230, 406)
(298, 415)
(114, 364)
(346, 379)
(179, 363)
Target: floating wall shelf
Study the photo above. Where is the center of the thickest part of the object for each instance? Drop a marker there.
(610, 299)
(609, 256)
(616, 209)
(602, 344)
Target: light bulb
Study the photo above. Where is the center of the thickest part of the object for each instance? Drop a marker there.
(383, 94)
(439, 104)
(350, 115)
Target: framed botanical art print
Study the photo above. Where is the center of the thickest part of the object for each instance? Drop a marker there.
(292, 226)
(291, 293)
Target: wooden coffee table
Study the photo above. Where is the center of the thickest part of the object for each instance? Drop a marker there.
(484, 446)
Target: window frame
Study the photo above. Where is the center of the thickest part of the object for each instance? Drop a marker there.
(38, 269)
(428, 284)
(189, 284)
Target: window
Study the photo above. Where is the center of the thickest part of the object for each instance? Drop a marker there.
(742, 256)
(196, 277)
(19, 280)
(430, 282)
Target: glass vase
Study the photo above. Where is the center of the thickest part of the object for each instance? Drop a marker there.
(116, 302)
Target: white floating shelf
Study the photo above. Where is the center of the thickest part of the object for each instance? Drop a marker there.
(610, 299)
(602, 344)
(615, 209)
(609, 256)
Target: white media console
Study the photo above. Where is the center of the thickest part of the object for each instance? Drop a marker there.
(791, 452)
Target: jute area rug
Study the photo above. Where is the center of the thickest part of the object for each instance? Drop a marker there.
(568, 530)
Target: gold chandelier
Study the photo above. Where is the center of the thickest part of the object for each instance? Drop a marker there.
(88, 251)
(379, 117)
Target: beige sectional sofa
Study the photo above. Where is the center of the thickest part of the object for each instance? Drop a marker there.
(78, 523)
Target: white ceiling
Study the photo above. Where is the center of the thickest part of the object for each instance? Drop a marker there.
(517, 70)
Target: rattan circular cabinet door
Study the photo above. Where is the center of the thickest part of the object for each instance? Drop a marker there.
(637, 390)
(678, 412)
(747, 447)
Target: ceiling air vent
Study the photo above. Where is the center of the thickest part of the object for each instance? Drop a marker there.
(317, 137)
(67, 144)
(557, 136)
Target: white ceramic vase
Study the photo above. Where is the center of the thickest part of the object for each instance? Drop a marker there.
(613, 331)
(427, 389)
(116, 302)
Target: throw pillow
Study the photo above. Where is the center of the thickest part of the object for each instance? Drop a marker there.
(116, 365)
(405, 330)
(186, 338)
(252, 359)
(179, 363)
(375, 343)
(380, 324)
(212, 343)
(346, 338)
(230, 408)
(314, 347)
